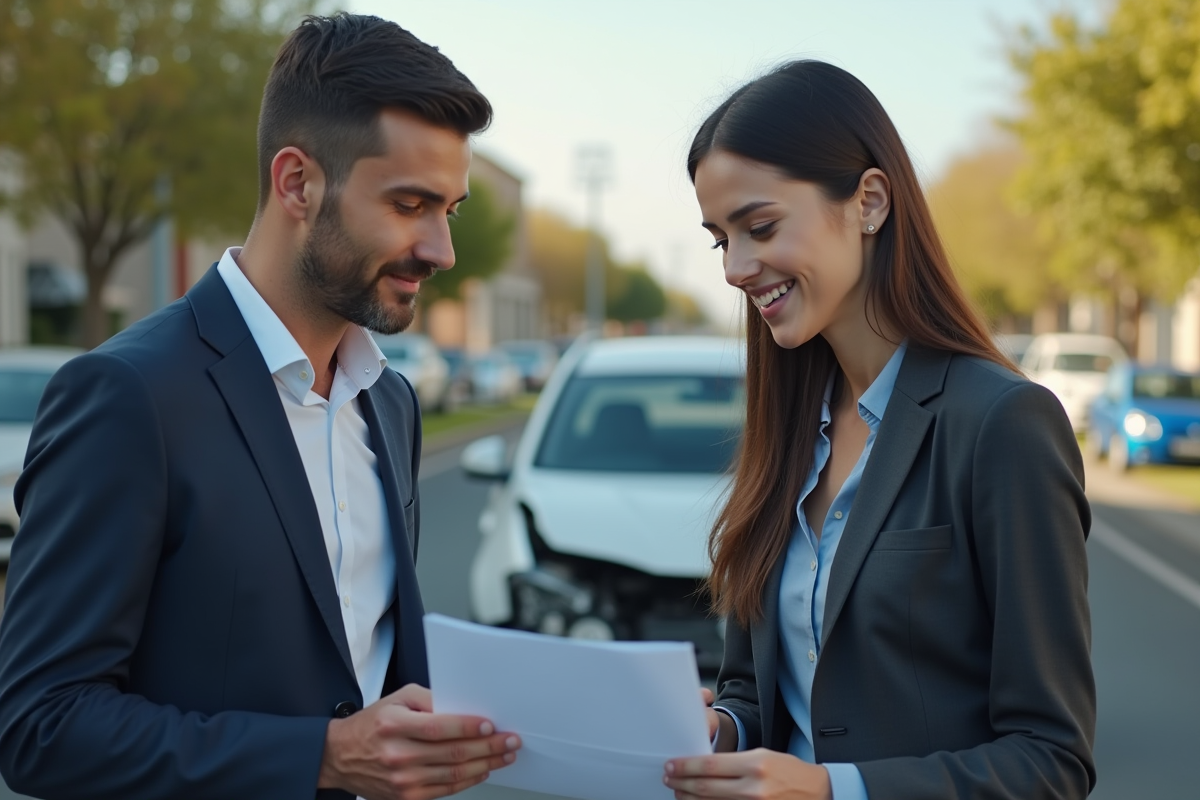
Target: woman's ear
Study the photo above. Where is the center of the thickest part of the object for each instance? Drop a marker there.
(875, 199)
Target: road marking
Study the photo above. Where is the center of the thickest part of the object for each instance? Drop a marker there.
(1147, 562)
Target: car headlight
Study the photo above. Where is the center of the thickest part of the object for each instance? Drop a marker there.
(1141, 425)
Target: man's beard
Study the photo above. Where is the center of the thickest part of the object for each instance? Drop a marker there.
(335, 273)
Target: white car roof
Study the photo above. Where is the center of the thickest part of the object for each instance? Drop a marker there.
(1079, 343)
(48, 357)
(664, 355)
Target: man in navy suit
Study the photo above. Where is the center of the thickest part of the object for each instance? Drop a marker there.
(213, 593)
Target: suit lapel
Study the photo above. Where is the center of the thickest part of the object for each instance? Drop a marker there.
(764, 643)
(253, 400)
(901, 434)
(410, 634)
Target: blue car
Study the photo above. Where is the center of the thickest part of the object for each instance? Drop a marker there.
(1146, 415)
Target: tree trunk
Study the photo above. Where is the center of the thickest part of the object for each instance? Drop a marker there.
(94, 329)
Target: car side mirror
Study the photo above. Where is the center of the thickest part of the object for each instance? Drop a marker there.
(486, 459)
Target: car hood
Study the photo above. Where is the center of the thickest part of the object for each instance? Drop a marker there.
(654, 523)
(1169, 409)
(14, 440)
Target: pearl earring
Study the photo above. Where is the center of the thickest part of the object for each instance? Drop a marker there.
(870, 229)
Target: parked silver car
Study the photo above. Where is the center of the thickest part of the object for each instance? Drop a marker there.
(1074, 366)
(24, 373)
(415, 357)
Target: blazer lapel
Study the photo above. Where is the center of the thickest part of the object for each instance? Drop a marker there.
(905, 424)
(764, 643)
(253, 400)
(410, 633)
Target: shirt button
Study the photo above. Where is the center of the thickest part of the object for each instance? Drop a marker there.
(342, 506)
(813, 565)
(346, 601)
(303, 375)
(811, 655)
(837, 515)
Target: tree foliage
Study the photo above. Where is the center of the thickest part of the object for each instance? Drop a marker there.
(106, 101)
(1112, 128)
(994, 245)
(483, 241)
(558, 255)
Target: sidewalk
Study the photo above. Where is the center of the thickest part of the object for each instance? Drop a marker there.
(1106, 486)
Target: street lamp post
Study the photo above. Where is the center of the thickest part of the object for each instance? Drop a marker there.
(595, 173)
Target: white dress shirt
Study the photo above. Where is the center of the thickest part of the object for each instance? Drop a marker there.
(335, 446)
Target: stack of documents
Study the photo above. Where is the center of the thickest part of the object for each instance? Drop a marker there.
(598, 720)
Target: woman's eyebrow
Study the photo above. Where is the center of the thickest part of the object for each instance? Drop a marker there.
(753, 205)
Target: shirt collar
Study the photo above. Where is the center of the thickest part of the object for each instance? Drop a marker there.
(357, 354)
(874, 400)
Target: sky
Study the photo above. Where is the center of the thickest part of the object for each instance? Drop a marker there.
(640, 76)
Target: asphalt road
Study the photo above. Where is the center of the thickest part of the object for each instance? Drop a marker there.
(1145, 592)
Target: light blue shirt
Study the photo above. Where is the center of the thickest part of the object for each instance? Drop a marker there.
(805, 582)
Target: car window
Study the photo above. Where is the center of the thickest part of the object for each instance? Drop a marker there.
(1082, 362)
(20, 391)
(1164, 385)
(645, 424)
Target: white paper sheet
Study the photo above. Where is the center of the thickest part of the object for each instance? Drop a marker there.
(597, 719)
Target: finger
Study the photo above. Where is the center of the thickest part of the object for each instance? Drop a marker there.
(717, 765)
(707, 696)
(445, 790)
(443, 727)
(451, 774)
(463, 750)
(414, 696)
(707, 787)
(714, 722)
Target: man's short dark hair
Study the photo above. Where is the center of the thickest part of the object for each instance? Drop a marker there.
(332, 78)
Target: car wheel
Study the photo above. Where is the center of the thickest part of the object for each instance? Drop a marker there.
(1118, 453)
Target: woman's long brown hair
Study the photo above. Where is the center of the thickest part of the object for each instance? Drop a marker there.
(815, 122)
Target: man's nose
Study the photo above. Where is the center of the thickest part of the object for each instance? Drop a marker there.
(435, 245)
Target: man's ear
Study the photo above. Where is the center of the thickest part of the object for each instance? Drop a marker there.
(875, 199)
(297, 184)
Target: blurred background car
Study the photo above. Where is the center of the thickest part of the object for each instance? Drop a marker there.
(494, 377)
(1146, 415)
(1014, 345)
(415, 357)
(1074, 366)
(598, 529)
(24, 373)
(462, 384)
(535, 358)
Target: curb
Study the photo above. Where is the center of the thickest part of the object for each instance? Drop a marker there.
(448, 440)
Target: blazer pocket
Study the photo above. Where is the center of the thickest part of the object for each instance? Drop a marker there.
(936, 538)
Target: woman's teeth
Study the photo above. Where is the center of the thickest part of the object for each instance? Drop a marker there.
(762, 301)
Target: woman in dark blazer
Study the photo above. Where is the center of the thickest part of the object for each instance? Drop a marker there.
(901, 555)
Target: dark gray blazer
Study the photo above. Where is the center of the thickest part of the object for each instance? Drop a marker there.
(955, 656)
(173, 627)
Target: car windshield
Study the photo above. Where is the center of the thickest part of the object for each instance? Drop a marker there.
(20, 391)
(1166, 385)
(645, 424)
(1082, 362)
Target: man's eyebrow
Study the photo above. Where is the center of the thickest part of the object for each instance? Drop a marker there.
(423, 193)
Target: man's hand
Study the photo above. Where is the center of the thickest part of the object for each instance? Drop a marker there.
(398, 749)
(754, 775)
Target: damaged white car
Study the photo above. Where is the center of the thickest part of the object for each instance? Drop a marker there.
(599, 526)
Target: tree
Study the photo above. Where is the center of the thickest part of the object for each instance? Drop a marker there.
(558, 254)
(482, 237)
(1112, 128)
(106, 103)
(996, 250)
(636, 297)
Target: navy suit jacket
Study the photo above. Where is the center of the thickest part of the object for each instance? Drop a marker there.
(172, 625)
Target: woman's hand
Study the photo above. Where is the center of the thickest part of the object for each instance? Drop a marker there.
(754, 775)
(714, 722)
